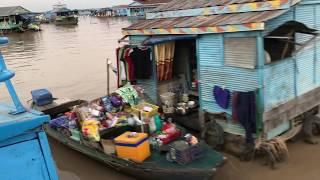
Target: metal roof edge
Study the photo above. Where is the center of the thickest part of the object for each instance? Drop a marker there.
(233, 8)
(199, 30)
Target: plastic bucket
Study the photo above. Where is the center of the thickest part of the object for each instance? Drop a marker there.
(168, 98)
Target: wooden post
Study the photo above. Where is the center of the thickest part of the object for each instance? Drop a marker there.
(108, 76)
(260, 67)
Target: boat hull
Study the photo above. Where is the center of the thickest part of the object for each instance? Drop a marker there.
(139, 171)
(66, 21)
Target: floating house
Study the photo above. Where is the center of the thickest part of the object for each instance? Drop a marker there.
(269, 48)
(85, 12)
(103, 12)
(141, 7)
(64, 16)
(11, 18)
(121, 10)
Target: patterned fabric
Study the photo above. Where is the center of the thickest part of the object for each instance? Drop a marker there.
(164, 54)
(128, 94)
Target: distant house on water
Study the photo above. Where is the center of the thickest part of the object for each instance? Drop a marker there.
(103, 12)
(12, 18)
(141, 7)
(121, 10)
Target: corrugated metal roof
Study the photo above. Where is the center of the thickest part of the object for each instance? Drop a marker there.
(152, 1)
(64, 9)
(12, 10)
(120, 7)
(206, 21)
(192, 4)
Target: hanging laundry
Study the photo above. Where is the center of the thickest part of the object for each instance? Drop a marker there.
(129, 61)
(123, 75)
(122, 67)
(222, 96)
(246, 113)
(234, 106)
(164, 54)
(142, 63)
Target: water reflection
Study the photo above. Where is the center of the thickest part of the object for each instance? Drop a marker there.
(69, 60)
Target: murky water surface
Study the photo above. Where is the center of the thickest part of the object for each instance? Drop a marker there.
(68, 60)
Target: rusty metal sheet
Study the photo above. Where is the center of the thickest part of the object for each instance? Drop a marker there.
(192, 4)
(206, 21)
(152, 1)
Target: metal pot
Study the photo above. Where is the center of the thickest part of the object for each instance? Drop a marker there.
(182, 108)
(192, 104)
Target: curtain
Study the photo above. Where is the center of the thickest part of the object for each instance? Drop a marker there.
(164, 54)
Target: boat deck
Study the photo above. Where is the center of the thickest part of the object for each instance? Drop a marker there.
(12, 125)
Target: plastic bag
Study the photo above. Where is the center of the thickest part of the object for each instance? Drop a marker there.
(90, 129)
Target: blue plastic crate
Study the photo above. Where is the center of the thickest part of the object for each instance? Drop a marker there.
(41, 97)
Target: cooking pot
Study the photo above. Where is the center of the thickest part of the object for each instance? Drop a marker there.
(182, 108)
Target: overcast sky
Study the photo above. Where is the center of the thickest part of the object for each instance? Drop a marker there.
(45, 5)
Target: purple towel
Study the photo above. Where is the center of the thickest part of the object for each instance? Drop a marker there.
(221, 96)
(60, 122)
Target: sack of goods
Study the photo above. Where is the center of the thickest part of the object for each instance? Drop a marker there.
(133, 146)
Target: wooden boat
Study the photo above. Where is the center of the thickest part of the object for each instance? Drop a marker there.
(156, 166)
(66, 20)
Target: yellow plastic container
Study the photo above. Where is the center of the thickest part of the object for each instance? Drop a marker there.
(135, 148)
(142, 107)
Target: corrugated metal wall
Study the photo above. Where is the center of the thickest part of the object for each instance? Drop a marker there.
(279, 84)
(213, 72)
(232, 78)
(305, 59)
(210, 50)
(279, 77)
(305, 71)
(278, 21)
(305, 14)
(317, 15)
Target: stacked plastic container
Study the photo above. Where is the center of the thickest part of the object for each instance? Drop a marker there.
(183, 153)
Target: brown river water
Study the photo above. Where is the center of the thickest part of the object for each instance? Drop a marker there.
(71, 62)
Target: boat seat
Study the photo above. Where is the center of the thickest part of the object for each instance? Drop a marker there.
(3, 40)
(6, 75)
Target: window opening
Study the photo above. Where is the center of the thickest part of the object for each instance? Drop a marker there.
(283, 43)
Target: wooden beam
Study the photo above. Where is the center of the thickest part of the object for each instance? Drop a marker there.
(279, 37)
(294, 107)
